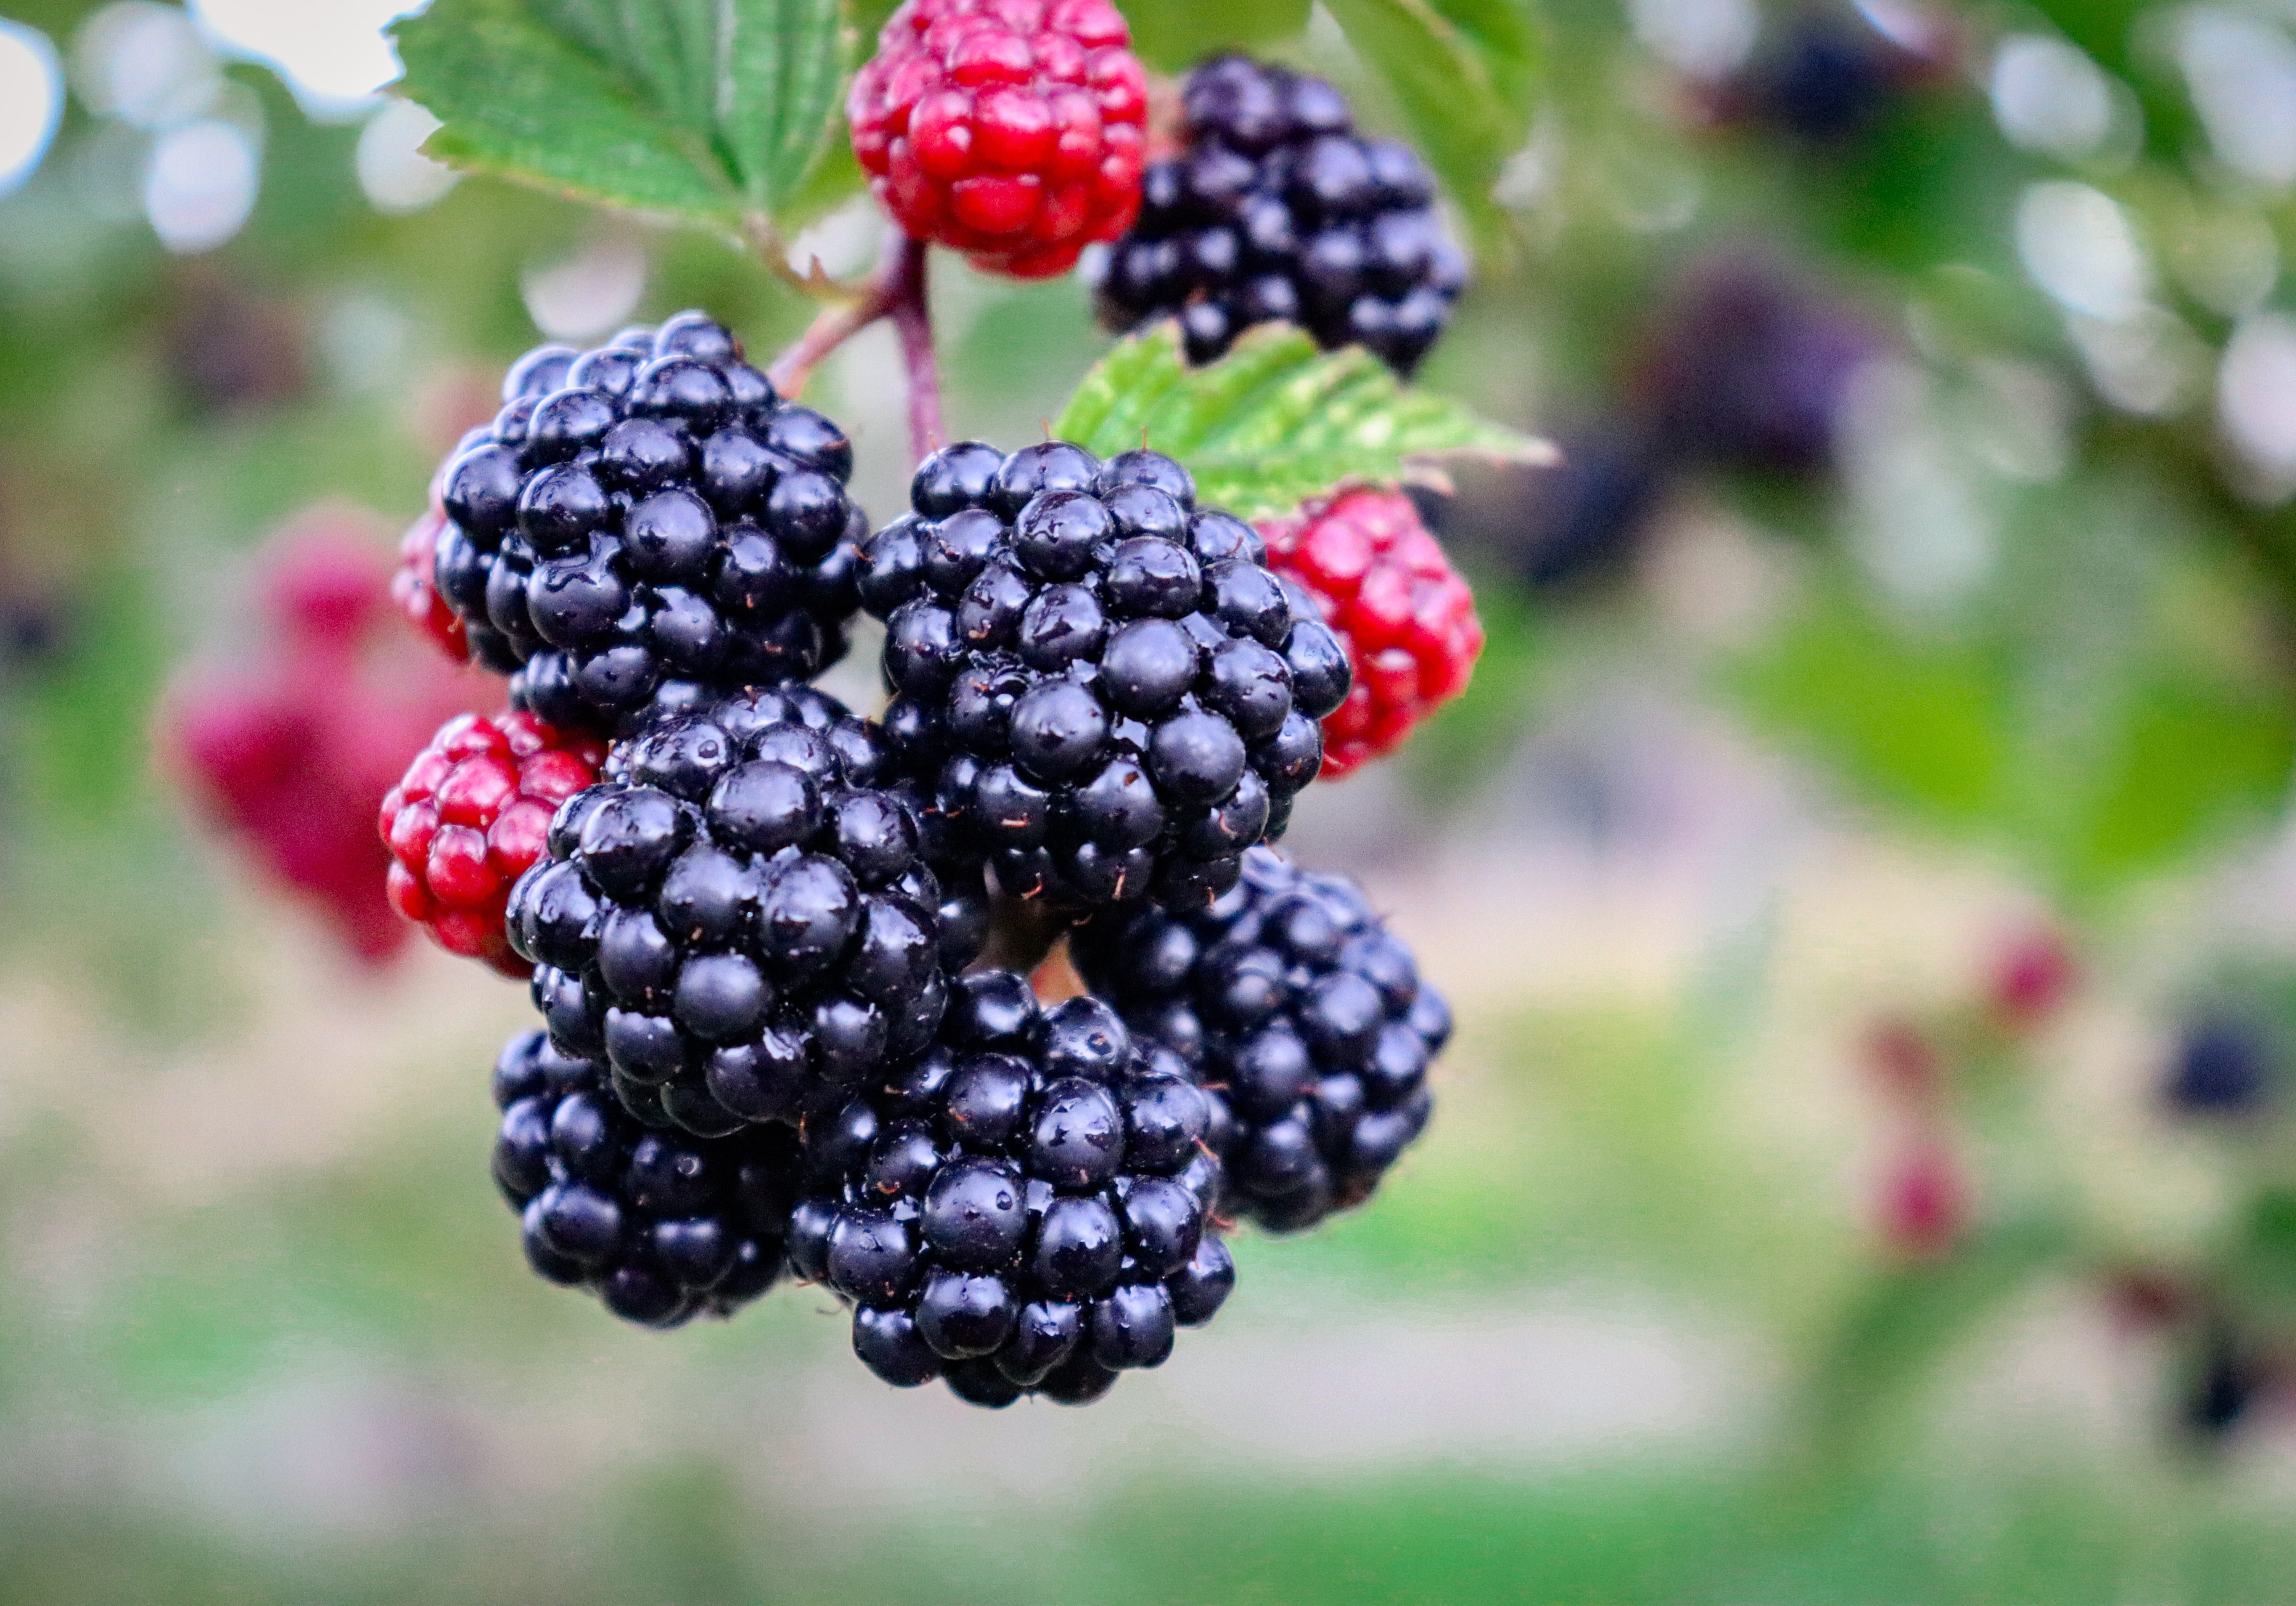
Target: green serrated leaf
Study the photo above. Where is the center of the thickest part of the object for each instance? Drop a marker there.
(713, 110)
(1464, 72)
(1275, 420)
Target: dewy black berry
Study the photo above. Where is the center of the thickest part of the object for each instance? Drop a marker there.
(1277, 209)
(739, 915)
(1100, 687)
(661, 1226)
(1291, 999)
(648, 515)
(1025, 1208)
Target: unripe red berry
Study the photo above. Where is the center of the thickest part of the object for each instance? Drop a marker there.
(415, 591)
(288, 748)
(1008, 129)
(1407, 617)
(468, 817)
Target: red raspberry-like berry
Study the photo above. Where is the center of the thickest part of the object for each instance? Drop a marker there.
(1924, 1203)
(471, 814)
(2031, 979)
(286, 747)
(1008, 129)
(1406, 616)
(415, 589)
(323, 582)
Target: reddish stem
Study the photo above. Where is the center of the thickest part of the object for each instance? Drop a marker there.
(897, 292)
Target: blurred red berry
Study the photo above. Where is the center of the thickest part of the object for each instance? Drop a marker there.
(289, 750)
(1905, 1061)
(468, 817)
(325, 582)
(1405, 616)
(1010, 130)
(2030, 979)
(1924, 1203)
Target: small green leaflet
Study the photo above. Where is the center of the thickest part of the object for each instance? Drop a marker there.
(1276, 421)
(1463, 72)
(712, 110)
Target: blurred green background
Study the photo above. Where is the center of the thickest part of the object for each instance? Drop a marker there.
(1861, 866)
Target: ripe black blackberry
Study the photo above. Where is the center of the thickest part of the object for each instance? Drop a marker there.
(647, 514)
(1026, 1208)
(661, 1226)
(1100, 687)
(1291, 999)
(738, 915)
(1277, 209)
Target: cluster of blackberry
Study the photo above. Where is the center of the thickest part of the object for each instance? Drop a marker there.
(753, 921)
(1277, 211)
(643, 520)
(1110, 694)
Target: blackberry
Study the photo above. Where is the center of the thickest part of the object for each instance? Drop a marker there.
(1101, 689)
(1026, 1208)
(2224, 1066)
(1748, 365)
(737, 916)
(643, 515)
(1277, 211)
(661, 1226)
(1291, 999)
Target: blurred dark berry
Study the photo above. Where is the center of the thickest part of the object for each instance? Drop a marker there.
(2224, 1388)
(2224, 1066)
(1746, 364)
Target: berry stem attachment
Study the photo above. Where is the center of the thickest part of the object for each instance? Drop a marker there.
(897, 292)
(912, 322)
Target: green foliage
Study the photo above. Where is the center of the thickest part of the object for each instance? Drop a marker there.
(1462, 72)
(2093, 725)
(1894, 1332)
(717, 113)
(1174, 34)
(1275, 420)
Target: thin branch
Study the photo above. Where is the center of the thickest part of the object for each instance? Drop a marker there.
(897, 292)
(912, 322)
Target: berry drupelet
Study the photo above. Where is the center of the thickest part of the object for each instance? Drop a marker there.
(643, 515)
(1100, 688)
(737, 916)
(470, 817)
(1007, 129)
(1291, 999)
(661, 1226)
(414, 587)
(1277, 209)
(1405, 616)
(1025, 1208)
